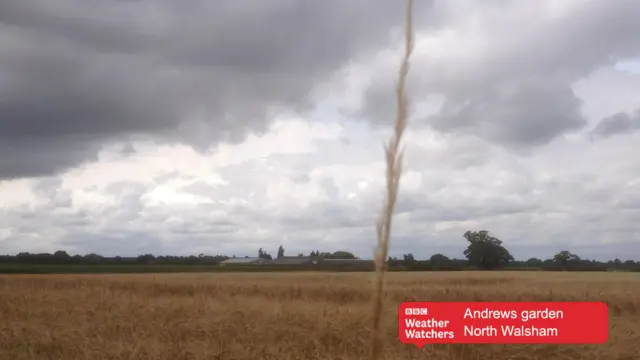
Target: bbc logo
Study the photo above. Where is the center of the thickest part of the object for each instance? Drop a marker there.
(416, 311)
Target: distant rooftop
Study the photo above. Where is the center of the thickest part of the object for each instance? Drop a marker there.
(241, 260)
(346, 260)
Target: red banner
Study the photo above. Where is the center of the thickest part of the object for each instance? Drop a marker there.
(422, 323)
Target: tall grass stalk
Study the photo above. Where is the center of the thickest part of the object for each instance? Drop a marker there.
(393, 157)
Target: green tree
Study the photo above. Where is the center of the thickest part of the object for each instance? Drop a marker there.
(280, 252)
(60, 254)
(485, 251)
(565, 258)
(61, 257)
(408, 259)
(342, 255)
(263, 254)
(438, 260)
(144, 259)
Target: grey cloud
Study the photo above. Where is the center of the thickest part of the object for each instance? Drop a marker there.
(327, 215)
(198, 71)
(529, 116)
(36, 157)
(124, 188)
(32, 225)
(518, 92)
(430, 209)
(51, 189)
(515, 214)
(206, 229)
(128, 149)
(201, 188)
(616, 124)
(300, 178)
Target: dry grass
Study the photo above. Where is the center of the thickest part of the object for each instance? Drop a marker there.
(393, 157)
(280, 315)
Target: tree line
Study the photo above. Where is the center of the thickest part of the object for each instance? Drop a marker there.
(486, 252)
(483, 251)
(340, 254)
(61, 257)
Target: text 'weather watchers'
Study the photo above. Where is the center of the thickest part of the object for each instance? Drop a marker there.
(422, 323)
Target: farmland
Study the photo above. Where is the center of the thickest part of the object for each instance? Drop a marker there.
(282, 315)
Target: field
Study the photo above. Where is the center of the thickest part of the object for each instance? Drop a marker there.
(281, 315)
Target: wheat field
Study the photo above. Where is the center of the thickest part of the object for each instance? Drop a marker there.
(281, 315)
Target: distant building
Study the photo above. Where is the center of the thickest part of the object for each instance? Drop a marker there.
(300, 260)
(245, 261)
(358, 262)
(294, 260)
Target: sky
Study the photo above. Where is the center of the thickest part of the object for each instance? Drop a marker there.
(222, 127)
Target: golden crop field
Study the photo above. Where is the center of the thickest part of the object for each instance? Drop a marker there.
(281, 316)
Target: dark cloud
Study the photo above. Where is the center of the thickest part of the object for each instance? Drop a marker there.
(128, 149)
(35, 157)
(528, 116)
(195, 71)
(514, 87)
(620, 123)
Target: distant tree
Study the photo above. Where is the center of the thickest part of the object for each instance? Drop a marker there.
(263, 254)
(340, 254)
(486, 251)
(408, 259)
(61, 257)
(438, 260)
(94, 258)
(146, 258)
(533, 261)
(393, 261)
(61, 254)
(480, 243)
(564, 258)
(280, 252)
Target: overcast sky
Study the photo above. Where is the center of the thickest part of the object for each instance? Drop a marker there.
(219, 127)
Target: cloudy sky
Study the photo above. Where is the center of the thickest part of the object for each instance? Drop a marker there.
(164, 127)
